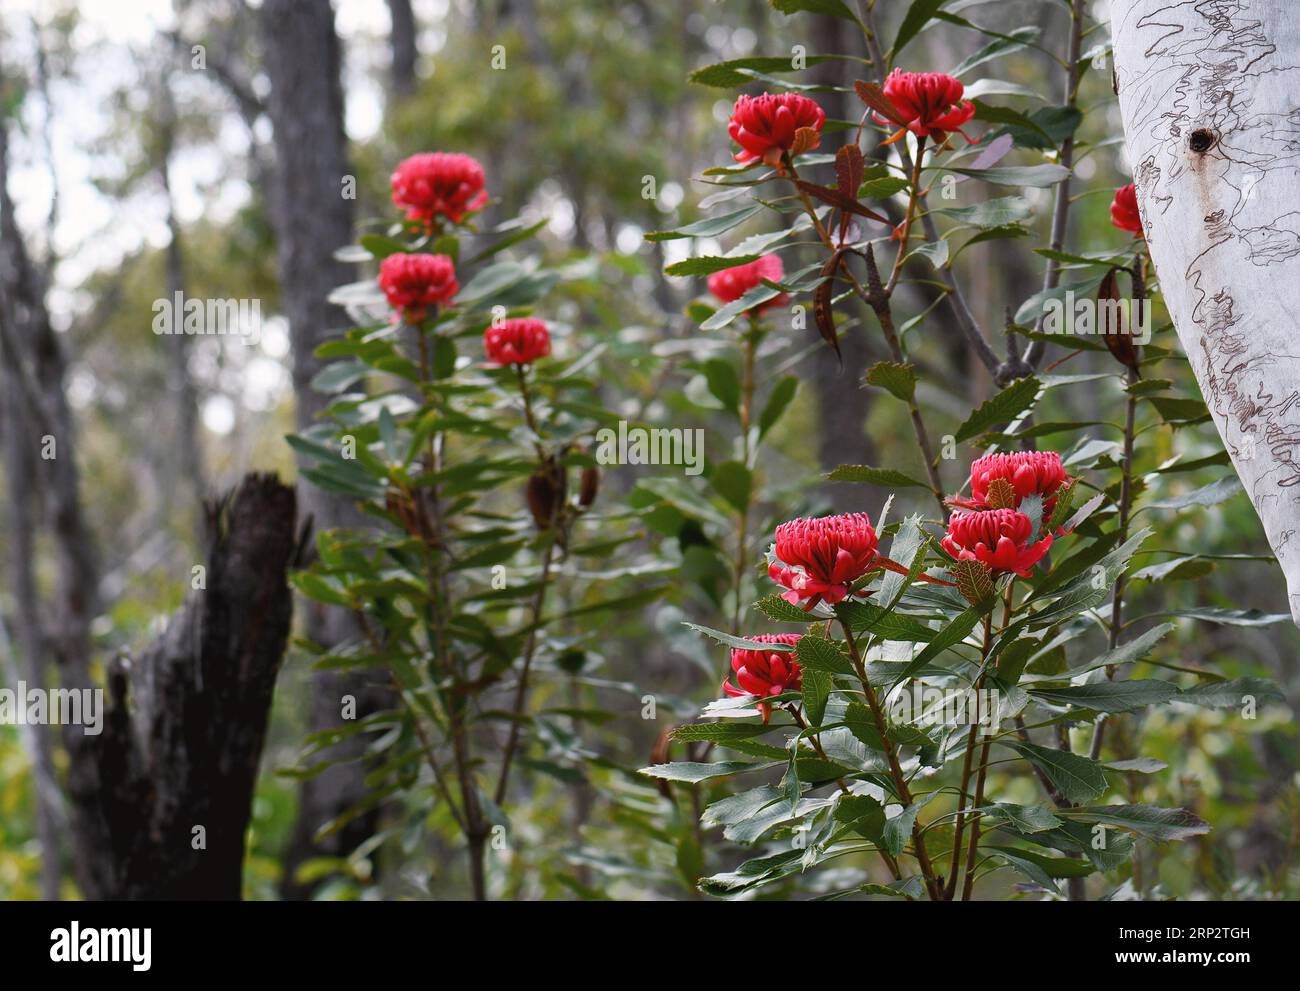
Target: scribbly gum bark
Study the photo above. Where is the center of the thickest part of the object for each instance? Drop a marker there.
(1209, 91)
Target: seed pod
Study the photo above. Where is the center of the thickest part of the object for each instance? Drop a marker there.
(1110, 322)
(546, 493)
(660, 754)
(588, 486)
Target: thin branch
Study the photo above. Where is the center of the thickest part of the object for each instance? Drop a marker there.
(960, 308)
(1061, 214)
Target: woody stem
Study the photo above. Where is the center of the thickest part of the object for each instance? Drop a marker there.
(906, 227)
(750, 348)
(973, 850)
(895, 768)
(879, 303)
(964, 793)
(815, 740)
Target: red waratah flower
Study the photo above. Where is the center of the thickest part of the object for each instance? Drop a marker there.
(517, 342)
(438, 184)
(1028, 472)
(1124, 210)
(765, 673)
(1000, 539)
(819, 559)
(764, 126)
(413, 283)
(732, 283)
(929, 104)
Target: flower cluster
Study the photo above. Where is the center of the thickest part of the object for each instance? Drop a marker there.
(765, 673)
(1027, 473)
(414, 282)
(520, 341)
(929, 104)
(437, 184)
(766, 126)
(1000, 539)
(730, 284)
(993, 530)
(819, 560)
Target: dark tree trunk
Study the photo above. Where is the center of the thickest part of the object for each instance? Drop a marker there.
(842, 403)
(402, 39)
(19, 434)
(311, 219)
(186, 453)
(165, 792)
(41, 422)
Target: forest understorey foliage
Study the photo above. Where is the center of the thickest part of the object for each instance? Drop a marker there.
(585, 612)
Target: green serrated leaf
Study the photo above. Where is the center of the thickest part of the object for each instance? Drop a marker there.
(1036, 176)
(884, 477)
(740, 642)
(817, 686)
(1022, 818)
(732, 480)
(777, 609)
(835, 8)
(727, 75)
(819, 654)
(898, 379)
(691, 772)
(711, 227)
(1233, 694)
(898, 830)
(707, 265)
(1109, 696)
(1077, 778)
(916, 18)
(782, 395)
(1005, 406)
(1146, 820)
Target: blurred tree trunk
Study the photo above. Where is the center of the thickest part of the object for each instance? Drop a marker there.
(187, 454)
(35, 364)
(20, 441)
(312, 217)
(842, 402)
(1207, 93)
(402, 42)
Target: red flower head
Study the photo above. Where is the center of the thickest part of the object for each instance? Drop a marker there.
(414, 282)
(929, 104)
(517, 342)
(765, 673)
(764, 126)
(438, 184)
(732, 283)
(1028, 472)
(818, 560)
(1124, 210)
(1000, 539)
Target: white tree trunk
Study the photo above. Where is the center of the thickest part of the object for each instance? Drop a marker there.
(1209, 91)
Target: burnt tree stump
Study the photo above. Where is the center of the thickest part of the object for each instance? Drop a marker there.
(185, 722)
